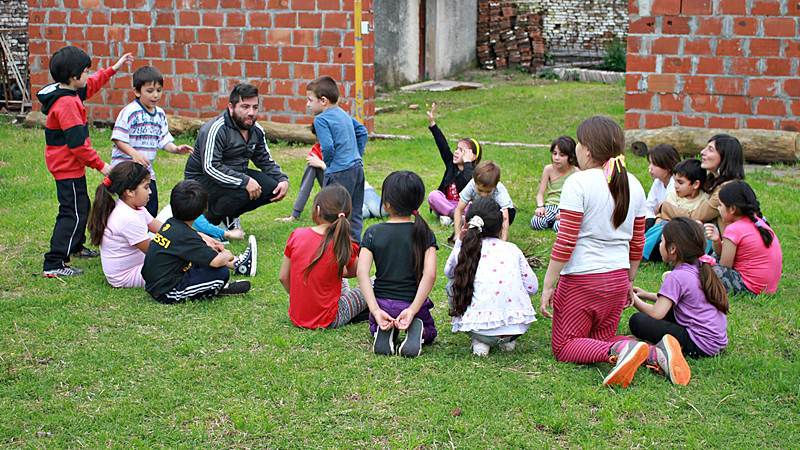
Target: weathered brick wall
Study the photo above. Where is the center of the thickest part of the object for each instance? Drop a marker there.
(205, 47)
(14, 18)
(713, 63)
(580, 27)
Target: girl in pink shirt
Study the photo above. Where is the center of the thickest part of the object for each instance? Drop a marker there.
(121, 227)
(750, 256)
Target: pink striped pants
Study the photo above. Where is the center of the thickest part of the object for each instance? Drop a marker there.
(586, 312)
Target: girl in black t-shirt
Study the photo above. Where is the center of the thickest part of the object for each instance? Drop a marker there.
(404, 251)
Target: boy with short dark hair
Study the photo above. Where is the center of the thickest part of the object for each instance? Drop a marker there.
(342, 140)
(686, 192)
(485, 182)
(181, 265)
(141, 129)
(68, 151)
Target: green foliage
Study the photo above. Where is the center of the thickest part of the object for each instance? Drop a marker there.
(547, 74)
(83, 364)
(615, 57)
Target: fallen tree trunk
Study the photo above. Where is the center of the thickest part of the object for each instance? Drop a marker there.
(760, 146)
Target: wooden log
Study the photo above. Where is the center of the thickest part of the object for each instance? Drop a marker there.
(760, 146)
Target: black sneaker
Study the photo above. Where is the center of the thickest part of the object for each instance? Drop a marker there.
(235, 288)
(65, 271)
(411, 346)
(246, 262)
(86, 253)
(384, 342)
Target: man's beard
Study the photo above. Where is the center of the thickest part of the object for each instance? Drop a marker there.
(239, 121)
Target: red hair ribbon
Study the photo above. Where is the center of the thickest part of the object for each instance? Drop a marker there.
(107, 182)
(414, 212)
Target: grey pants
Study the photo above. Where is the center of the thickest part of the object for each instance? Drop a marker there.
(732, 280)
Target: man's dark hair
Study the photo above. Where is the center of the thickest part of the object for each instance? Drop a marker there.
(68, 62)
(147, 74)
(242, 91)
(325, 87)
(188, 200)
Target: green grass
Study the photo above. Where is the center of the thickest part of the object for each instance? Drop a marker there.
(82, 364)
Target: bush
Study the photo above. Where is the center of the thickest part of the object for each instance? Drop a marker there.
(614, 59)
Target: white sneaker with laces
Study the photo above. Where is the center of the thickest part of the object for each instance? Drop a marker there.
(479, 348)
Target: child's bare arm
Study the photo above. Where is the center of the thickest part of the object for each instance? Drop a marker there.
(137, 156)
(143, 246)
(385, 321)
(657, 310)
(504, 230)
(182, 149)
(223, 258)
(457, 216)
(423, 290)
(542, 187)
(284, 274)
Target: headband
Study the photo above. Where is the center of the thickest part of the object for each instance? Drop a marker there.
(477, 148)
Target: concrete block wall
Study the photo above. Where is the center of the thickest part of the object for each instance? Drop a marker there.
(205, 47)
(713, 63)
(14, 16)
(579, 27)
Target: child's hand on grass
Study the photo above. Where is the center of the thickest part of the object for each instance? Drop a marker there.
(432, 114)
(126, 58)
(547, 302)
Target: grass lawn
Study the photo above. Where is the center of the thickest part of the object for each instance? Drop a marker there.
(82, 364)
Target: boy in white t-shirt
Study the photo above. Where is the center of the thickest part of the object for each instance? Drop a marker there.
(141, 129)
(486, 183)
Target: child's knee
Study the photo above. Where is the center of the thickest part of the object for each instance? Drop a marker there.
(635, 323)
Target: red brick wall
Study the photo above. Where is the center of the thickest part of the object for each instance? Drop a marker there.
(713, 63)
(205, 47)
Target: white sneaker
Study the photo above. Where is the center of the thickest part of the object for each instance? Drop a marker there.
(479, 348)
(445, 221)
(508, 346)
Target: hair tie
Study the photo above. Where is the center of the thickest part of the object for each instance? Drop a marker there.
(341, 214)
(477, 147)
(476, 222)
(414, 212)
(707, 259)
(608, 167)
(107, 182)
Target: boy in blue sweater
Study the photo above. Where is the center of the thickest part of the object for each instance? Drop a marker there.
(342, 139)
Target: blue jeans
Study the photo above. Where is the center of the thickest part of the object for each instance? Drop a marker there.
(351, 179)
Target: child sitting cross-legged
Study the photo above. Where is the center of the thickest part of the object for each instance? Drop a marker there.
(485, 182)
(750, 255)
(404, 251)
(121, 227)
(315, 260)
(181, 264)
(490, 282)
(687, 315)
(564, 163)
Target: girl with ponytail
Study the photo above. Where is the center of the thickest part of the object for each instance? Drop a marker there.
(316, 259)
(490, 282)
(688, 314)
(120, 227)
(596, 254)
(404, 251)
(750, 256)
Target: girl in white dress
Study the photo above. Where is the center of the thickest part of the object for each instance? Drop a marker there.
(490, 282)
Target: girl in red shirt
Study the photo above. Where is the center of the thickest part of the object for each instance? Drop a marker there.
(315, 261)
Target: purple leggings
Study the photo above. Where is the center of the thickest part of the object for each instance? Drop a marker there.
(440, 204)
(395, 307)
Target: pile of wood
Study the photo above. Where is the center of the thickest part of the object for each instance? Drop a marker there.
(507, 38)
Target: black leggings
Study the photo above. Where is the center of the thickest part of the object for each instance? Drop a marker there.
(652, 330)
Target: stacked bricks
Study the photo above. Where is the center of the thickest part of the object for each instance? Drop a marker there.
(14, 18)
(713, 63)
(577, 28)
(205, 47)
(508, 39)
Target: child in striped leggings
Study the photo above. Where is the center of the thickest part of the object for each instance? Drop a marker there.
(315, 260)
(564, 163)
(604, 204)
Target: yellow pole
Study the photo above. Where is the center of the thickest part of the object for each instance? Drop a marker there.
(359, 61)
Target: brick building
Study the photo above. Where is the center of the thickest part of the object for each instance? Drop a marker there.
(713, 63)
(204, 47)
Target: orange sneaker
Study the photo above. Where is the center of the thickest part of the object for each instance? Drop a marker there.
(630, 356)
(670, 362)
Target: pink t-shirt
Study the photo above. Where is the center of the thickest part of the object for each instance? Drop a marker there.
(759, 266)
(122, 261)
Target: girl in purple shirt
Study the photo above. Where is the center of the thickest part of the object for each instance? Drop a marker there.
(689, 309)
